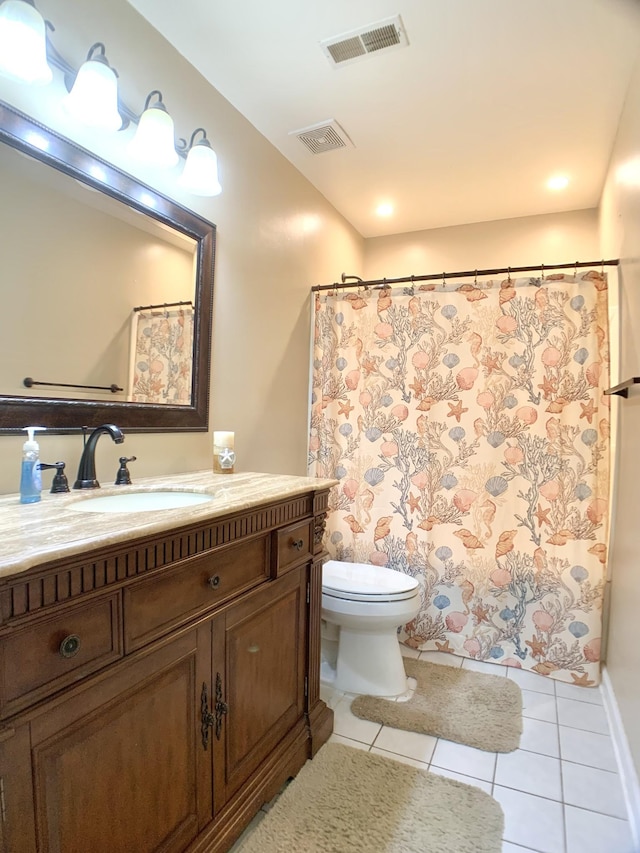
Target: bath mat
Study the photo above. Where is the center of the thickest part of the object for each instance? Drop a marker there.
(350, 801)
(456, 704)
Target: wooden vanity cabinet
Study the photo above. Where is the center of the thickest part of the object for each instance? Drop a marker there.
(169, 736)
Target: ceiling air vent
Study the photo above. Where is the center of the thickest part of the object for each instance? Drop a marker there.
(364, 41)
(326, 136)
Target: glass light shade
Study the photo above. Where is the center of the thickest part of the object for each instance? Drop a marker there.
(93, 100)
(23, 43)
(153, 143)
(200, 174)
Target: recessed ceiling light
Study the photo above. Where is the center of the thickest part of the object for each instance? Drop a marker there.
(558, 182)
(385, 209)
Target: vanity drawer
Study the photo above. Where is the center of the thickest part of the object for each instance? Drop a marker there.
(49, 654)
(166, 599)
(292, 546)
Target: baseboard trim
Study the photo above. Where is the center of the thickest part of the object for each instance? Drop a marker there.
(626, 767)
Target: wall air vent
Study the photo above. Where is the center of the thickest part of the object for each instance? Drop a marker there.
(357, 44)
(325, 136)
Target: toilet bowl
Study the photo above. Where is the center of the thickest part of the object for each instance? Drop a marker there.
(362, 608)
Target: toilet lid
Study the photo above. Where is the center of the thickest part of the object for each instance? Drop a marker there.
(363, 582)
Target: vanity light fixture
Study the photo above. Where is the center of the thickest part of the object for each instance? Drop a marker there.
(200, 173)
(153, 142)
(93, 99)
(23, 43)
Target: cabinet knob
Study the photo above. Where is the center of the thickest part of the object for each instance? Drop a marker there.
(214, 581)
(298, 544)
(70, 646)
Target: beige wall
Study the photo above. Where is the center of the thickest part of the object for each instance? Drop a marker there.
(620, 232)
(277, 236)
(551, 239)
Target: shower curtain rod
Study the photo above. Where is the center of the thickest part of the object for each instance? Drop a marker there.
(383, 282)
(162, 305)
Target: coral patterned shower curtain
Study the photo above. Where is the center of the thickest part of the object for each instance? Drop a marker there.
(469, 432)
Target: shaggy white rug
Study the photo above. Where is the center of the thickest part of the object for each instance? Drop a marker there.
(456, 704)
(350, 801)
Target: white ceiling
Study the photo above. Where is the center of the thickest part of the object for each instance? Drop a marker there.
(466, 124)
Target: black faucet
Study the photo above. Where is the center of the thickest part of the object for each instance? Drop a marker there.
(87, 468)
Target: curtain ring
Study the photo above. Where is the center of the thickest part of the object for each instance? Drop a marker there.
(443, 281)
(475, 279)
(509, 274)
(602, 268)
(542, 269)
(575, 271)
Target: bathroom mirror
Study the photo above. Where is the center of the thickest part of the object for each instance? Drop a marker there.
(69, 317)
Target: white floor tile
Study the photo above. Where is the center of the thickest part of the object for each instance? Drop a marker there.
(460, 777)
(594, 750)
(530, 772)
(508, 847)
(347, 725)
(592, 695)
(588, 832)
(329, 695)
(531, 680)
(408, 652)
(590, 788)
(443, 658)
(540, 736)
(483, 666)
(582, 715)
(464, 759)
(404, 759)
(347, 741)
(411, 744)
(533, 822)
(539, 706)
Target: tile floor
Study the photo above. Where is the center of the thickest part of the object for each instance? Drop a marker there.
(560, 791)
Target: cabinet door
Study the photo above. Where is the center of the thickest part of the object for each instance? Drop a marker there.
(259, 660)
(119, 766)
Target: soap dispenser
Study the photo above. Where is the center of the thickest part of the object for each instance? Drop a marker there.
(30, 477)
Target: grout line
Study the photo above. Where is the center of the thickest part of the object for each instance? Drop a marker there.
(565, 837)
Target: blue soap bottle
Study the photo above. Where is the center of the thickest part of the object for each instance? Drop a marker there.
(31, 476)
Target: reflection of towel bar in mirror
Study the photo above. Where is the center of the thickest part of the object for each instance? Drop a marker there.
(622, 389)
(28, 382)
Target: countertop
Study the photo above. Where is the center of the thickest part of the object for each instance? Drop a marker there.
(32, 534)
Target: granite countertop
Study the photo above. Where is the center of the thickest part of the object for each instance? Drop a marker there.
(31, 534)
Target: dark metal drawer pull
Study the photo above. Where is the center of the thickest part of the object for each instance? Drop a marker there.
(214, 581)
(298, 544)
(70, 646)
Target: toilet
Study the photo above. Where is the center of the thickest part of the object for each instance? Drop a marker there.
(362, 608)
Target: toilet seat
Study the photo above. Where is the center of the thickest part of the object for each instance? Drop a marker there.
(364, 582)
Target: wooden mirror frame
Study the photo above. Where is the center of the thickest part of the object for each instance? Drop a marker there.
(61, 415)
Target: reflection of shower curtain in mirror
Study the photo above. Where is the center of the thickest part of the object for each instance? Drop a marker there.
(161, 356)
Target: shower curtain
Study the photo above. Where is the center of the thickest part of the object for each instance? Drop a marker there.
(469, 432)
(161, 356)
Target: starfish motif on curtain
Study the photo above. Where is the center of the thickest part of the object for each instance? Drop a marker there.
(588, 411)
(345, 409)
(457, 410)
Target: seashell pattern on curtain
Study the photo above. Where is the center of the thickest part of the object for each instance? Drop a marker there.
(469, 433)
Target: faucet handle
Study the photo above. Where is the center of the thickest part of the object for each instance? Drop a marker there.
(123, 477)
(60, 483)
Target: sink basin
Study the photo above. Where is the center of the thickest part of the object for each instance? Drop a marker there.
(140, 502)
